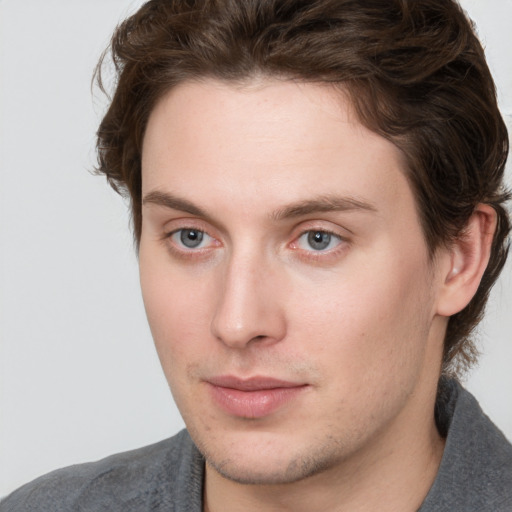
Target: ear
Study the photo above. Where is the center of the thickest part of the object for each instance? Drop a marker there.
(465, 261)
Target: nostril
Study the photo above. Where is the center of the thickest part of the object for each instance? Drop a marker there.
(260, 340)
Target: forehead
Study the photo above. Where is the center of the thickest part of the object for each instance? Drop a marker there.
(278, 140)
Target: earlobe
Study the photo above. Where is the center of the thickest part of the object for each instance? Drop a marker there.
(466, 261)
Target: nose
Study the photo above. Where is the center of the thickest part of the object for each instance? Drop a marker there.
(249, 309)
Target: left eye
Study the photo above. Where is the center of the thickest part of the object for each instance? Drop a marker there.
(190, 238)
(318, 240)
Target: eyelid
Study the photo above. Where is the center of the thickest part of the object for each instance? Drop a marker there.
(320, 256)
(324, 226)
(171, 228)
(183, 223)
(313, 230)
(182, 247)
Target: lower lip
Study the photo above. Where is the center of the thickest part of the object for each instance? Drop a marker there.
(253, 404)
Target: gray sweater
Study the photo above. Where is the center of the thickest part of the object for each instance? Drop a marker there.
(475, 472)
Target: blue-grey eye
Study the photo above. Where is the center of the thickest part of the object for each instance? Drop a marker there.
(318, 240)
(190, 238)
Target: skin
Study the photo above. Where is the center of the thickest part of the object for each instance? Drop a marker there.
(359, 324)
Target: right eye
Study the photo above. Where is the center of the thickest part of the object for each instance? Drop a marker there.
(190, 238)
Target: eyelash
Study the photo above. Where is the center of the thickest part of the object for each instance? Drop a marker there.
(320, 255)
(182, 252)
(304, 254)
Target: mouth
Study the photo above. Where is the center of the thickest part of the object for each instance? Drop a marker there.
(256, 397)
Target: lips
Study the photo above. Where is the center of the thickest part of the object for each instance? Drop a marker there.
(255, 397)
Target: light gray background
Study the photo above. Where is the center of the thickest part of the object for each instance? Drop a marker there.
(79, 378)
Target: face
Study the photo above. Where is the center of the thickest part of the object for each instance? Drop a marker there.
(285, 277)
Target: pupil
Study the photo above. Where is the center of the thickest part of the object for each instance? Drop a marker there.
(319, 240)
(191, 238)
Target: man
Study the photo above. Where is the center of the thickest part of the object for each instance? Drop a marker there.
(318, 204)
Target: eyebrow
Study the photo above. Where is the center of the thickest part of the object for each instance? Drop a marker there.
(173, 202)
(328, 203)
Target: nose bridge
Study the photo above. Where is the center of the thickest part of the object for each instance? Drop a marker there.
(248, 307)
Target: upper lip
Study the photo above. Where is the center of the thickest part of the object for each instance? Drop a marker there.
(252, 383)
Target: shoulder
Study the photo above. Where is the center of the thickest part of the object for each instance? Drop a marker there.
(476, 469)
(149, 478)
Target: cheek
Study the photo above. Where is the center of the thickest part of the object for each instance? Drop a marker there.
(368, 322)
(176, 306)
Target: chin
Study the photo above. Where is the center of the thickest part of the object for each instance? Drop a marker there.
(268, 463)
(294, 471)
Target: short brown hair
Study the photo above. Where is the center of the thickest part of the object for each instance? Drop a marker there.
(415, 72)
